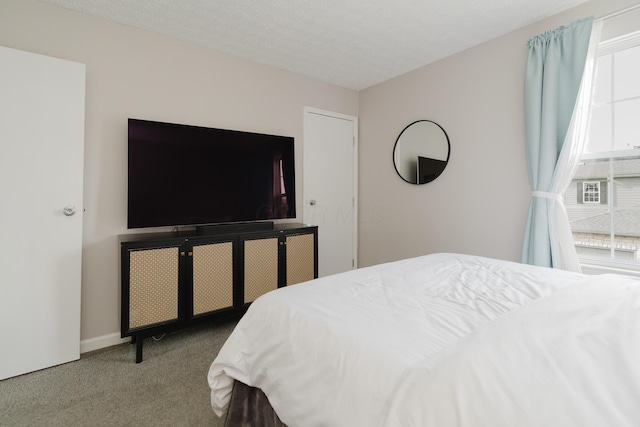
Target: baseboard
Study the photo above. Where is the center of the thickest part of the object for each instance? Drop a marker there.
(97, 343)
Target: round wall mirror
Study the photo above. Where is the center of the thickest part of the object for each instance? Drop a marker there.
(421, 152)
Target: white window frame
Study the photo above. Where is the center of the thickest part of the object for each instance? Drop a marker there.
(592, 264)
(591, 192)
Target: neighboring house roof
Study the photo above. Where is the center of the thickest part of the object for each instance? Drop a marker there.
(626, 222)
(600, 169)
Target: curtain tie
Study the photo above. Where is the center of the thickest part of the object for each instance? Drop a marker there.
(553, 196)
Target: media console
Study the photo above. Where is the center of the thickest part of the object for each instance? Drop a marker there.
(170, 281)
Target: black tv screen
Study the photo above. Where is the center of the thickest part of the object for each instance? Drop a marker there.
(190, 175)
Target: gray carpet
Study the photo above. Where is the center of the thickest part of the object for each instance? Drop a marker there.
(106, 387)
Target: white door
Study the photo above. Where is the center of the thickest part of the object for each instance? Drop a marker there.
(330, 187)
(41, 168)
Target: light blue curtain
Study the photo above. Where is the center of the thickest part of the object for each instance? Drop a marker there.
(552, 80)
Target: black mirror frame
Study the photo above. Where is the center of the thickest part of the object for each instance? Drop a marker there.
(445, 162)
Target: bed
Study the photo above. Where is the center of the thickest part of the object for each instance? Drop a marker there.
(440, 340)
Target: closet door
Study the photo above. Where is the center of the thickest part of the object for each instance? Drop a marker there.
(41, 170)
(330, 199)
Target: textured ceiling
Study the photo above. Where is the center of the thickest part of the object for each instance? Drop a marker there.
(351, 43)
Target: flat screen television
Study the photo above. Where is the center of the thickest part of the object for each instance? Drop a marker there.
(189, 175)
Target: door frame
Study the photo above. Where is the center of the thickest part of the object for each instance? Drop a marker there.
(354, 190)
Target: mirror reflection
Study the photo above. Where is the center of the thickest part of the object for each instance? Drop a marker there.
(421, 152)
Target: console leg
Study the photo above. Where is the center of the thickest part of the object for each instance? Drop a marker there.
(138, 350)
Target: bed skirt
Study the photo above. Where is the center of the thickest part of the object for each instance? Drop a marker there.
(249, 407)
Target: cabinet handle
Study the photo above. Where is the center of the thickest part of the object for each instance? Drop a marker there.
(190, 253)
(181, 253)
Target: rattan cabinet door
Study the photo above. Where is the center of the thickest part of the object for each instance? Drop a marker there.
(212, 277)
(260, 265)
(153, 286)
(300, 258)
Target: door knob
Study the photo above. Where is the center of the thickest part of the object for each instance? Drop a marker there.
(69, 210)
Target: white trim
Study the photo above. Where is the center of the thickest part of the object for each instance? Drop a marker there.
(622, 266)
(623, 42)
(607, 269)
(606, 155)
(104, 341)
(619, 13)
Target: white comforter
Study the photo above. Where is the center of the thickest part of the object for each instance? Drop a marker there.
(442, 340)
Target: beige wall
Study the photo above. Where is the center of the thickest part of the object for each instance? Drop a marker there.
(132, 73)
(479, 204)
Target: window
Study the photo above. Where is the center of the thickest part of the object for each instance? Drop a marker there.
(604, 212)
(591, 192)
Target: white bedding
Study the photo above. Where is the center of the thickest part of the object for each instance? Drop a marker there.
(442, 340)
